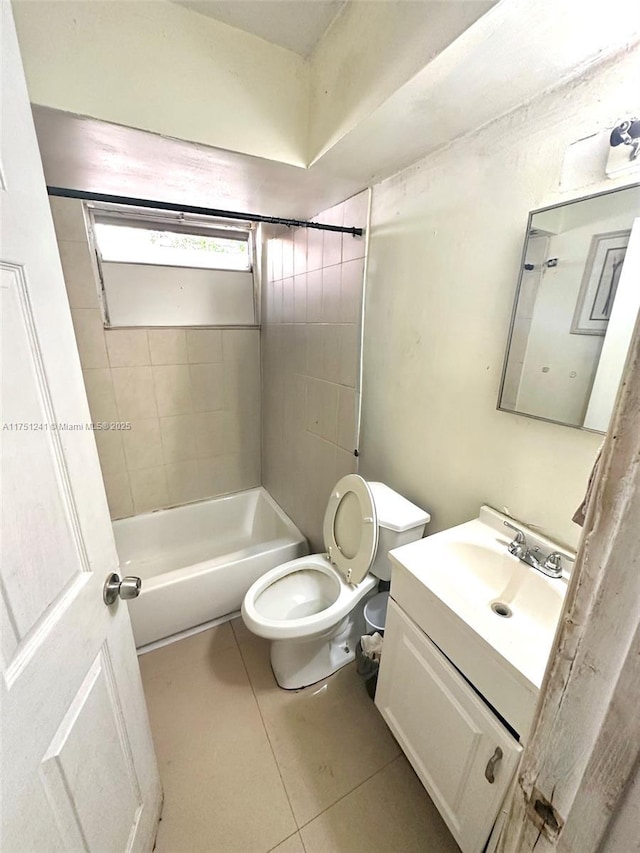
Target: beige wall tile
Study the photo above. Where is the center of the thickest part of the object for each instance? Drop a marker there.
(111, 451)
(68, 218)
(287, 255)
(300, 250)
(277, 310)
(347, 419)
(275, 254)
(331, 294)
(79, 275)
(299, 354)
(331, 248)
(242, 386)
(349, 345)
(346, 463)
(179, 438)
(240, 432)
(87, 324)
(158, 379)
(314, 296)
(267, 299)
(211, 476)
(300, 419)
(118, 494)
(168, 346)
(142, 444)
(207, 387)
(204, 345)
(211, 431)
(149, 489)
(238, 471)
(127, 347)
(331, 352)
(314, 249)
(353, 247)
(322, 409)
(172, 385)
(100, 394)
(288, 300)
(314, 350)
(351, 291)
(241, 345)
(300, 298)
(184, 482)
(134, 392)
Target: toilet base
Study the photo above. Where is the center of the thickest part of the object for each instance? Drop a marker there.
(299, 663)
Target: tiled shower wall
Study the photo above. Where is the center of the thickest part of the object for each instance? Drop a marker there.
(192, 396)
(311, 320)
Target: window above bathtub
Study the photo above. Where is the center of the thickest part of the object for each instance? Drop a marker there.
(173, 269)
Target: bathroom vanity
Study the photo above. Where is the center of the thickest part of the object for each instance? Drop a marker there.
(468, 634)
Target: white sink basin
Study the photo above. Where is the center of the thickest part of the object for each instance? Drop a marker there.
(490, 613)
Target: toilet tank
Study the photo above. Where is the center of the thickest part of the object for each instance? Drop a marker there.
(399, 522)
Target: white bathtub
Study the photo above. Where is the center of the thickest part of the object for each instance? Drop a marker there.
(198, 561)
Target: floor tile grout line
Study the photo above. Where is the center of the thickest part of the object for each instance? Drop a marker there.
(348, 794)
(266, 731)
(297, 832)
(335, 802)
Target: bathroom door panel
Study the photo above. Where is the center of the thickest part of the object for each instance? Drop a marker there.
(445, 729)
(78, 767)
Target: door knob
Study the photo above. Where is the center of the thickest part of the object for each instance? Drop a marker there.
(115, 588)
(489, 770)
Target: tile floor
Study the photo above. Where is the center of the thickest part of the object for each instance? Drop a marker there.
(249, 768)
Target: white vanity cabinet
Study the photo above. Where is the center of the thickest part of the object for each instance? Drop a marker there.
(463, 754)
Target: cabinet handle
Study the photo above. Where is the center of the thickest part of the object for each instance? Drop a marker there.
(489, 770)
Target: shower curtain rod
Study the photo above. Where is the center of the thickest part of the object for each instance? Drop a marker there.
(200, 211)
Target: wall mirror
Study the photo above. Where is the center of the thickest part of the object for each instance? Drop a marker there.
(576, 305)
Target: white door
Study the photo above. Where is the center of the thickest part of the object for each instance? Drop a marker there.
(464, 756)
(78, 767)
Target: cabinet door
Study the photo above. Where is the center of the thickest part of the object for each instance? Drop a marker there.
(447, 732)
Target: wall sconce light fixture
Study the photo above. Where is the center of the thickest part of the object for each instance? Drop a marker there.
(627, 133)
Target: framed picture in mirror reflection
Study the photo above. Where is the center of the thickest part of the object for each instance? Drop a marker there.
(599, 283)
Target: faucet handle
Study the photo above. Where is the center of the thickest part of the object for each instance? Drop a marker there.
(519, 537)
(518, 546)
(554, 563)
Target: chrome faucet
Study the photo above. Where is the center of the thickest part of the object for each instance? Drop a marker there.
(551, 565)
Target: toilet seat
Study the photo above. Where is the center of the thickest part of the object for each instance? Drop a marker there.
(350, 528)
(258, 614)
(292, 601)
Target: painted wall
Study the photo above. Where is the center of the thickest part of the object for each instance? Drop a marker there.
(160, 67)
(311, 321)
(370, 50)
(192, 396)
(445, 243)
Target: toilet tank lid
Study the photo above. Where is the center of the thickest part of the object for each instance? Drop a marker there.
(394, 511)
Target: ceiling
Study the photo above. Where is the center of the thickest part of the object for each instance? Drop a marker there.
(460, 90)
(96, 156)
(296, 26)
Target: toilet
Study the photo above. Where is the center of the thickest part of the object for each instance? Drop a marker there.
(312, 608)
